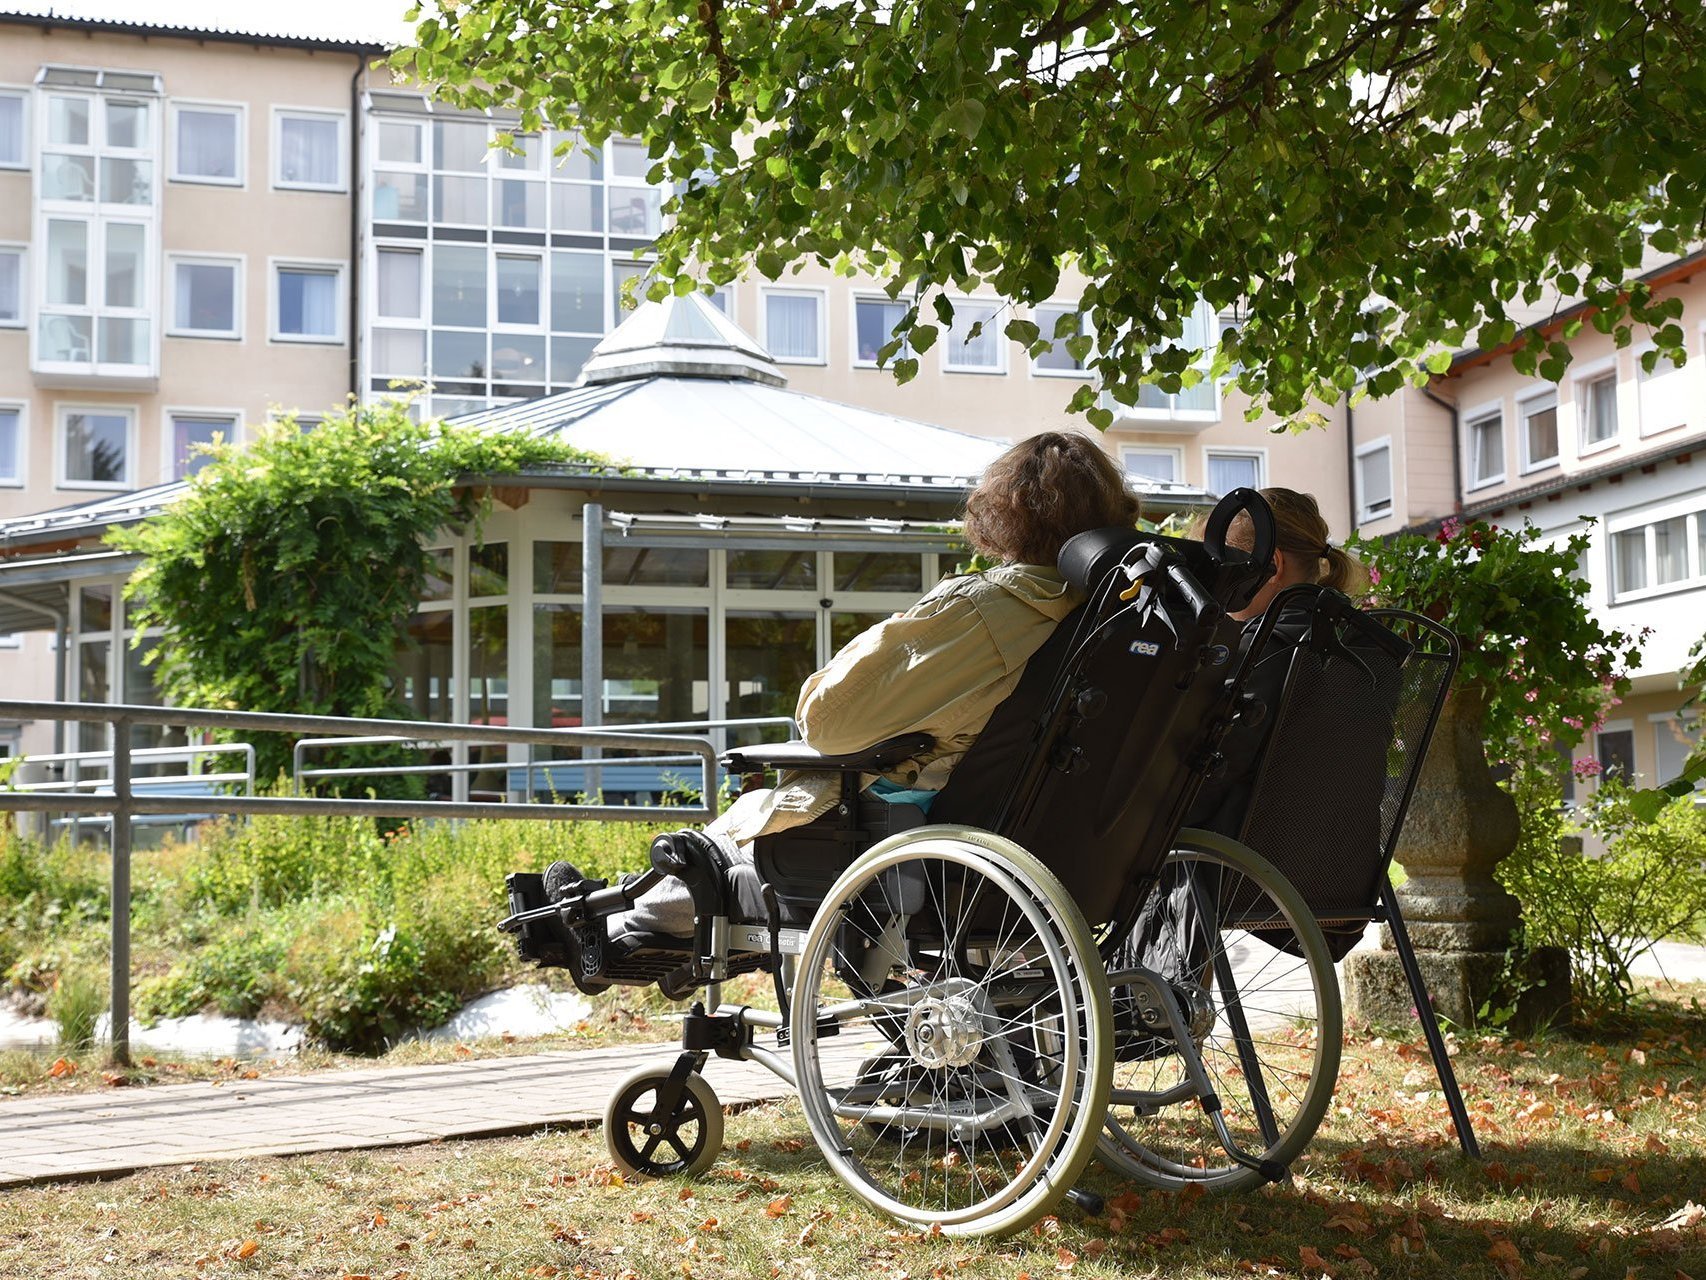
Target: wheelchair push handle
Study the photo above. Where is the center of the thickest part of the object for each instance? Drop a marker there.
(1205, 609)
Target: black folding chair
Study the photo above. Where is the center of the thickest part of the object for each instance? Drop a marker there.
(1362, 695)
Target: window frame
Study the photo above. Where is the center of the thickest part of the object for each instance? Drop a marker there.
(1526, 400)
(238, 111)
(1255, 453)
(1585, 378)
(947, 345)
(25, 96)
(62, 480)
(342, 160)
(1643, 379)
(854, 299)
(324, 266)
(22, 408)
(1365, 513)
(168, 412)
(1611, 727)
(820, 295)
(1176, 452)
(1691, 508)
(22, 249)
(240, 267)
(1490, 411)
(1047, 332)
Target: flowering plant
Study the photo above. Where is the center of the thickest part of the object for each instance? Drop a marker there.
(1547, 669)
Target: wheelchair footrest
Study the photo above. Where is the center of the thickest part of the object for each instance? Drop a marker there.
(644, 958)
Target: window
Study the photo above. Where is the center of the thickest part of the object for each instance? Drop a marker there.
(207, 144)
(185, 429)
(11, 444)
(1615, 749)
(974, 342)
(1199, 402)
(399, 291)
(1051, 320)
(1659, 550)
(13, 154)
(1486, 449)
(1677, 736)
(1538, 419)
(207, 298)
(1596, 405)
(11, 285)
(1229, 470)
(874, 320)
(95, 448)
(518, 289)
(1664, 399)
(308, 150)
(95, 200)
(1374, 480)
(307, 302)
(793, 326)
(1151, 464)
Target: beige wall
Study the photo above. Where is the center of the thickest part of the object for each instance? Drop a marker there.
(1021, 401)
(254, 221)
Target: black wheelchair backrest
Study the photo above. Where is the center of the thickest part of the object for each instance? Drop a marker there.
(1093, 759)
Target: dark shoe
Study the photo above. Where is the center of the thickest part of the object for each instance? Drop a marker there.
(552, 941)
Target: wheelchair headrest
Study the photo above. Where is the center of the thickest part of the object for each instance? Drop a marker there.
(1231, 574)
(1086, 558)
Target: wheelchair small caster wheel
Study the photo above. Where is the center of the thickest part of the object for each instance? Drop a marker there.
(640, 1140)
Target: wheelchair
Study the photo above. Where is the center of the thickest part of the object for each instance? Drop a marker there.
(1049, 970)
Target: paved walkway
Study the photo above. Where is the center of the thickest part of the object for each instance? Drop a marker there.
(117, 1131)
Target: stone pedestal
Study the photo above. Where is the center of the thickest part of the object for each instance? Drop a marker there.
(1461, 919)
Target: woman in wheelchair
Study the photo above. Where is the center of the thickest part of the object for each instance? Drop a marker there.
(939, 669)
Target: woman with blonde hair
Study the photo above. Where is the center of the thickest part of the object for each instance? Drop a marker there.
(1303, 553)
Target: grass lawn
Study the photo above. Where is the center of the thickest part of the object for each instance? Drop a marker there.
(1596, 1154)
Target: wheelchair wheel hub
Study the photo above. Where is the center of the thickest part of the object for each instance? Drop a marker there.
(943, 1033)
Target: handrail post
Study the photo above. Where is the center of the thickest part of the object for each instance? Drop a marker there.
(121, 892)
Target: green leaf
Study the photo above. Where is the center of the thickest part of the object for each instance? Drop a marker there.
(964, 117)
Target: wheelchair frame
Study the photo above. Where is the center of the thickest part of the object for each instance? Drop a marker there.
(1064, 1105)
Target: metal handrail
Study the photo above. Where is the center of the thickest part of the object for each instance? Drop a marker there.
(121, 800)
(158, 755)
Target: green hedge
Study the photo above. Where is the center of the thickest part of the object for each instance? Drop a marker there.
(359, 934)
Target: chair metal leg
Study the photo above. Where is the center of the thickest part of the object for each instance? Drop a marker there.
(1430, 1025)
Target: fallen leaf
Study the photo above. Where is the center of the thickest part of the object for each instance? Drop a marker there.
(1312, 1260)
(248, 1249)
(1065, 1259)
(779, 1207)
(61, 1068)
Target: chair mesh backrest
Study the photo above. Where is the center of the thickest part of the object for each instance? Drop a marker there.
(1337, 773)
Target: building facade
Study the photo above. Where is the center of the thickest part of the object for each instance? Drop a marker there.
(201, 230)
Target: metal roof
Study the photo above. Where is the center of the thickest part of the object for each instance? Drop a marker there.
(684, 337)
(357, 34)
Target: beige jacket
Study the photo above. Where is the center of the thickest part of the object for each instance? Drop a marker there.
(940, 668)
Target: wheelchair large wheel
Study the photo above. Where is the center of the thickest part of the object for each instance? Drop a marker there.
(952, 1036)
(1253, 975)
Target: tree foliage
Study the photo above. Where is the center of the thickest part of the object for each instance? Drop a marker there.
(1362, 183)
(283, 579)
(1550, 670)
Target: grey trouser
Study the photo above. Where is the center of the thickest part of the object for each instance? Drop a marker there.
(667, 907)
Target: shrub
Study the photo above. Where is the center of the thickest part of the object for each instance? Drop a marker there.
(1606, 910)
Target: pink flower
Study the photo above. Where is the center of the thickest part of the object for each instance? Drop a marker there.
(1531, 695)
(1373, 577)
(1575, 722)
(1448, 528)
(1587, 767)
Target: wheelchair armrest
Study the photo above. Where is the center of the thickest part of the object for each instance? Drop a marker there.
(797, 755)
